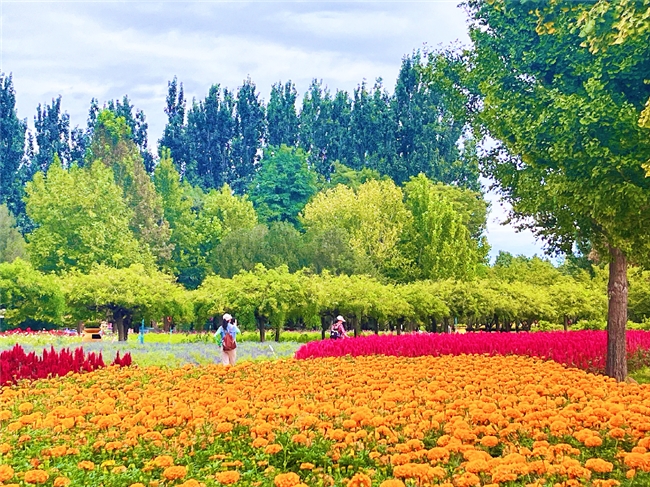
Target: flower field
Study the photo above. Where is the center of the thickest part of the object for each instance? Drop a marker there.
(16, 364)
(582, 349)
(358, 421)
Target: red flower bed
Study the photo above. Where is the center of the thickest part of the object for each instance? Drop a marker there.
(15, 364)
(582, 349)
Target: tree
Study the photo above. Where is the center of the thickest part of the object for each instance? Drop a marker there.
(12, 144)
(29, 295)
(283, 185)
(372, 130)
(281, 117)
(427, 128)
(571, 152)
(95, 226)
(52, 137)
(211, 127)
(12, 243)
(314, 120)
(250, 131)
(113, 146)
(187, 262)
(126, 295)
(173, 137)
(373, 218)
(440, 241)
(137, 123)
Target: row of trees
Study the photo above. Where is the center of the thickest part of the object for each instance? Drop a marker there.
(517, 290)
(358, 222)
(220, 139)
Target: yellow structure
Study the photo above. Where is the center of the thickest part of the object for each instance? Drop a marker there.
(91, 334)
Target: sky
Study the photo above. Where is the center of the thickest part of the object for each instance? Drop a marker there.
(106, 49)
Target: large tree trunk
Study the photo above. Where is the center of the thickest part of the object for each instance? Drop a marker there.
(617, 315)
(122, 331)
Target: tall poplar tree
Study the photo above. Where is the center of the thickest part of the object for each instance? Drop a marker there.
(250, 129)
(281, 116)
(112, 145)
(211, 126)
(12, 145)
(174, 135)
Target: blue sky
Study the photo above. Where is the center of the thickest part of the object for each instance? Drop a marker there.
(105, 50)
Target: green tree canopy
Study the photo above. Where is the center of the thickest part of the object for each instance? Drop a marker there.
(570, 149)
(374, 218)
(28, 294)
(95, 227)
(113, 145)
(12, 243)
(125, 295)
(284, 184)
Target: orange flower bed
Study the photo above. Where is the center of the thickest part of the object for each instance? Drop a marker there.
(353, 422)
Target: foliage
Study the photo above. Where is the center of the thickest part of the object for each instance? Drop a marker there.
(95, 229)
(440, 241)
(366, 429)
(112, 144)
(570, 150)
(283, 186)
(12, 143)
(281, 116)
(127, 295)
(374, 219)
(12, 243)
(188, 260)
(29, 294)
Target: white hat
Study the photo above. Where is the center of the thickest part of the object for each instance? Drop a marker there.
(227, 317)
(340, 318)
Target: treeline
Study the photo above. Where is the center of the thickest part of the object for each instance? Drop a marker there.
(109, 210)
(513, 294)
(218, 140)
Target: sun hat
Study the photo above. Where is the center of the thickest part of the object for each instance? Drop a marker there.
(227, 317)
(340, 318)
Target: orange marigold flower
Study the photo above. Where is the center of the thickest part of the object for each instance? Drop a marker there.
(300, 438)
(26, 407)
(6, 472)
(290, 479)
(307, 466)
(489, 441)
(260, 442)
(173, 473)
(360, 480)
(36, 477)
(86, 465)
(599, 465)
(190, 483)
(228, 477)
(593, 441)
(392, 483)
(467, 480)
(224, 427)
(273, 449)
(62, 482)
(4, 448)
(137, 484)
(163, 461)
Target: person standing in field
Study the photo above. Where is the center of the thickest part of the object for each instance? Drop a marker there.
(338, 329)
(228, 333)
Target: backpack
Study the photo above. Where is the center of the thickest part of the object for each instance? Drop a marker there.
(334, 334)
(228, 342)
